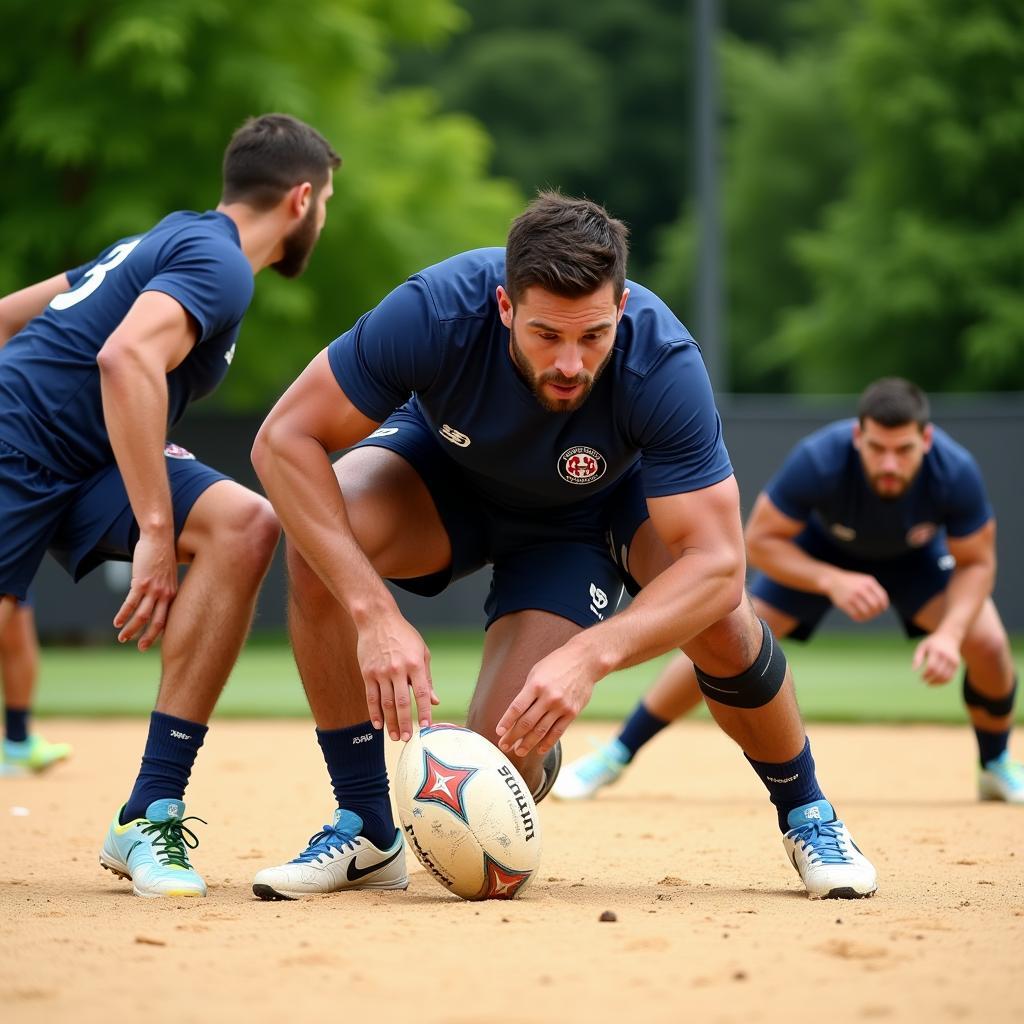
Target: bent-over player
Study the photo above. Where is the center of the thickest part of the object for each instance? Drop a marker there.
(103, 359)
(883, 510)
(536, 388)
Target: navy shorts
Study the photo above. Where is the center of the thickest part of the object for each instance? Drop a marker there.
(81, 522)
(910, 580)
(571, 561)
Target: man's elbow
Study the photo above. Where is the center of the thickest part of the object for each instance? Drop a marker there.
(263, 448)
(731, 574)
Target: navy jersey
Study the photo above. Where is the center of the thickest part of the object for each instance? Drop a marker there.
(50, 402)
(438, 337)
(823, 483)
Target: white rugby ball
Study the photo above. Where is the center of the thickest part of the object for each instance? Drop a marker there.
(467, 814)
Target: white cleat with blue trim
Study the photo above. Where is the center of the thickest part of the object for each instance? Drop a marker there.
(825, 856)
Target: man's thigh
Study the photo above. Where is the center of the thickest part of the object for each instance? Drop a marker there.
(410, 507)
(100, 526)
(32, 501)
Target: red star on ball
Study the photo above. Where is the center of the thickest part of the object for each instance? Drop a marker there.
(443, 784)
(502, 882)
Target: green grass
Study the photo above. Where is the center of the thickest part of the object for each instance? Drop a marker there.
(851, 677)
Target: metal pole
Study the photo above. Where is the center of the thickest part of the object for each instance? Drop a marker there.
(709, 305)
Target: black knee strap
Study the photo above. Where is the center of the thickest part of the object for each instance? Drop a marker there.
(997, 707)
(757, 685)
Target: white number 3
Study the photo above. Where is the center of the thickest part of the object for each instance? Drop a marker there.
(94, 276)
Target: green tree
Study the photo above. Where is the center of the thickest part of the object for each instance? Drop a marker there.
(918, 269)
(113, 113)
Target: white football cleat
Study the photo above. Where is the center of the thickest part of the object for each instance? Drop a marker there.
(582, 778)
(337, 858)
(824, 855)
(1002, 779)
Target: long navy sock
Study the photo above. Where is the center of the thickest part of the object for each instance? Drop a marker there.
(791, 784)
(355, 762)
(16, 724)
(167, 763)
(640, 727)
(991, 744)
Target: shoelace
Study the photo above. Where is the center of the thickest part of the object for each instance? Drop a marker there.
(171, 838)
(323, 842)
(599, 763)
(823, 842)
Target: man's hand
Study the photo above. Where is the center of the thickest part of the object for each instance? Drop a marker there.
(154, 584)
(392, 657)
(937, 656)
(557, 689)
(858, 594)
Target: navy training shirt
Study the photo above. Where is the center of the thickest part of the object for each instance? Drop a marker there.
(439, 338)
(50, 402)
(822, 483)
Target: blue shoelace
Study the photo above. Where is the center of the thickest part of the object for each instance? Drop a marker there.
(323, 843)
(823, 840)
(171, 838)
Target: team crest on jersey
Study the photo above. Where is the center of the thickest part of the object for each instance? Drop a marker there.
(175, 451)
(581, 465)
(843, 532)
(918, 536)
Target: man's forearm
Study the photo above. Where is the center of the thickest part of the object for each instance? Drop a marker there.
(692, 594)
(968, 588)
(135, 412)
(788, 564)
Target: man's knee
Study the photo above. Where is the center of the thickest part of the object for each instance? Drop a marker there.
(987, 649)
(240, 530)
(752, 686)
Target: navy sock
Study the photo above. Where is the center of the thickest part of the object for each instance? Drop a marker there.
(355, 762)
(791, 784)
(166, 764)
(16, 724)
(640, 727)
(991, 744)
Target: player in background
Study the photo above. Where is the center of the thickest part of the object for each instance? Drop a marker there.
(23, 750)
(885, 510)
(101, 361)
(539, 378)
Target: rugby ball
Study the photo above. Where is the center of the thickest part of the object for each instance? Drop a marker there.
(467, 814)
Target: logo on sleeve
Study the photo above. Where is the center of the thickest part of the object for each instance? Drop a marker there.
(581, 465)
(456, 437)
(175, 451)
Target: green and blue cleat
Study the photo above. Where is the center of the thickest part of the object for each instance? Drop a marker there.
(30, 756)
(1002, 779)
(152, 852)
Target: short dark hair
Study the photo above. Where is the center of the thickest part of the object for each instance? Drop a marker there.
(894, 402)
(271, 154)
(566, 246)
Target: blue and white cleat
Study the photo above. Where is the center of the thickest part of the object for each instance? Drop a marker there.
(32, 755)
(582, 778)
(337, 858)
(152, 852)
(1002, 779)
(825, 856)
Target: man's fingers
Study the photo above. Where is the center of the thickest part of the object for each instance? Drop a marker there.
(131, 602)
(422, 691)
(157, 622)
(537, 733)
(138, 619)
(554, 734)
(513, 724)
(373, 705)
(389, 709)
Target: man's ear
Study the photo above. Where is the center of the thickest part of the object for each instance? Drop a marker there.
(504, 307)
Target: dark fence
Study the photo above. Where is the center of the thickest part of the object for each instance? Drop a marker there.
(760, 430)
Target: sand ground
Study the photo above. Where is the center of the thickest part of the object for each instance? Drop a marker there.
(712, 924)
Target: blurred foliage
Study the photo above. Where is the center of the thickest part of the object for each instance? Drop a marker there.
(871, 155)
(590, 96)
(874, 205)
(113, 113)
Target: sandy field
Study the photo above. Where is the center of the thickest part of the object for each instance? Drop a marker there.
(712, 924)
